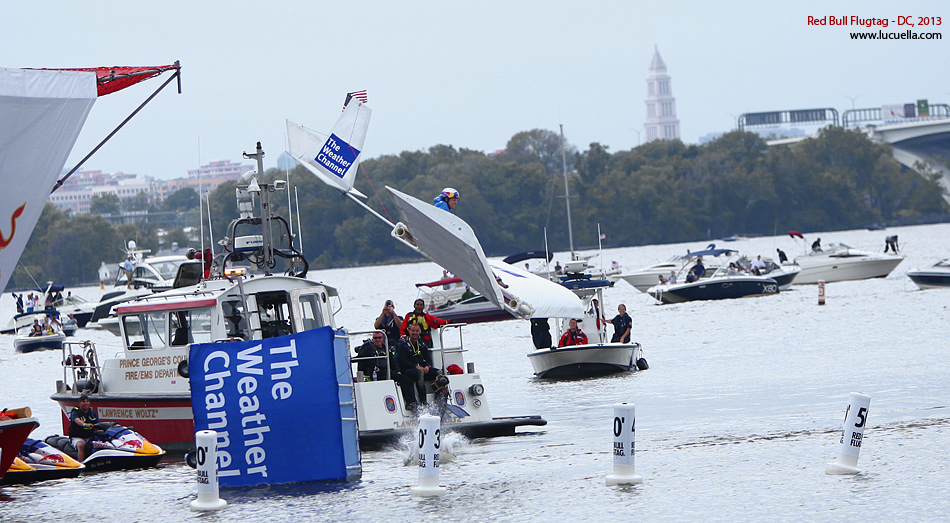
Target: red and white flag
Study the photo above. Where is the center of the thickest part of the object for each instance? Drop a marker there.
(359, 95)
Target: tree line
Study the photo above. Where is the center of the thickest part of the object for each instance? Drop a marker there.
(658, 192)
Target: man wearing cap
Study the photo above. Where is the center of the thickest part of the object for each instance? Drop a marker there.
(82, 425)
(447, 199)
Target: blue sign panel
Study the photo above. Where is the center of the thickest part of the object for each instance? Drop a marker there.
(337, 156)
(275, 404)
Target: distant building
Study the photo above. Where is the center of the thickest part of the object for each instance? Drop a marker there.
(210, 176)
(661, 122)
(77, 191)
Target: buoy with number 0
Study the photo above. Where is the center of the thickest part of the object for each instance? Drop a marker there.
(429, 439)
(206, 456)
(625, 436)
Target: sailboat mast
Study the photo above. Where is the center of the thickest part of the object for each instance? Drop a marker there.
(567, 194)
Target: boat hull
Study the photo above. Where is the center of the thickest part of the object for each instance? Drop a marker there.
(12, 435)
(35, 343)
(845, 269)
(715, 289)
(584, 360)
(930, 279)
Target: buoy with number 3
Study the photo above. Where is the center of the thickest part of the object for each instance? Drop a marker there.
(625, 437)
(852, 435)
(429, 438)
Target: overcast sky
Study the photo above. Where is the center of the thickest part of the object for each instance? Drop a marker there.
(466, 74)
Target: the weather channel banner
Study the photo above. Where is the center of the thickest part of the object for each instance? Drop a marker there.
(337, 156)
(275, 406)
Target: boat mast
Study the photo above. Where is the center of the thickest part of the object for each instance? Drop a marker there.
(567, 195)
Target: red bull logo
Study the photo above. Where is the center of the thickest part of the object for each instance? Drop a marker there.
(5, 241)
(390, 403)
(459, 398)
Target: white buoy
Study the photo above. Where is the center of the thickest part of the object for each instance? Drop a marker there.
(625, 437)
(855, 418)
(821, 292)
(430, 437)
(206, 454)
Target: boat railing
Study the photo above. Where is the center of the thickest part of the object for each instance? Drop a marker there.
(81, 366)
(356, 359)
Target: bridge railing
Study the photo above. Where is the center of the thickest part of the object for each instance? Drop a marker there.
(853, 117)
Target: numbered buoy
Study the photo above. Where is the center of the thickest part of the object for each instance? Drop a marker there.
(852, 435)
(206, 456)
(429, 439)
(625, 437)
(821, 292)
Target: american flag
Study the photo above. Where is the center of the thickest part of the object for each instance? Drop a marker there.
(359, 95)
(603, 236)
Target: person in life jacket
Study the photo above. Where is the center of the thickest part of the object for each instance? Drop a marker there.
(573, 336)
(426, 321)
(82, 425)
(447, 200)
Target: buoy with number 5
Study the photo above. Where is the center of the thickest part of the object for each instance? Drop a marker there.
(625, 436)
(852, 435)
(429, 439)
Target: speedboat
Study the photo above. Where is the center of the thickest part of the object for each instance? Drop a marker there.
(784, 275)
(39, 461)
(723, 278)
(146, 385)
(934, 277)
(15, 426)
(598, 357)
(450, 299)
(646, 277)
(839, 262)
(52, 336)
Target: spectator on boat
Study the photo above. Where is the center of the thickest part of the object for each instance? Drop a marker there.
(672, 279)
(376, 368)
(426, 321)
(447, 199)
(19, 302)
(71, 321)
(890, 243)
(541, 333)
(816, 247)
(82, 425)
(128, 266)
(598, 314)
(31, 302)
(53, 324)
(662, 280)
(622, 325)
(758, 266)
(415, 359)
(699, 269)
(37, 329)
(691, 277)
(389, 322)
(557, 268)
(468, 293)
(573, 336)
(49, 301)
(782, 258)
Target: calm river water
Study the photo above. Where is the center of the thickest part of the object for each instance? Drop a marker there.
(738, 415)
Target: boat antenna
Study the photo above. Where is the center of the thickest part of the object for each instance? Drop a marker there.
(290, 210)
(299, 228)
(547, 255)
(567, 195)
(201, 222)
(28, 273)
(600, 247)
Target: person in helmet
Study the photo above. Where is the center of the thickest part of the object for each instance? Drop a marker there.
(447, 200)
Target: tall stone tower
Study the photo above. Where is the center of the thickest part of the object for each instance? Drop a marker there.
(661, 122)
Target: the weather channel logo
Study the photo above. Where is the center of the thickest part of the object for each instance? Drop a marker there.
(337, 156)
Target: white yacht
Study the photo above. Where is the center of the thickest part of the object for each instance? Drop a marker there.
(840, 262)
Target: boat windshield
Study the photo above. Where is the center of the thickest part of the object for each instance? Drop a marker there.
(167, 269)
(146, 331)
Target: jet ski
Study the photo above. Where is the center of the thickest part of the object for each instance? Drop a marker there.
(38, 461)
(113, 447)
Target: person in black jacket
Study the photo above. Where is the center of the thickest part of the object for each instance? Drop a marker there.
(82, 425)
(415, 361)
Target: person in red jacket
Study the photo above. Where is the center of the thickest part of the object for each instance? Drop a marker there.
(573, 336)
(425, 321)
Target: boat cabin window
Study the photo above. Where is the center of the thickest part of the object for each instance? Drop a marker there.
(235, 323)
(274, 310)
(190, 326)
(311, 315)
(146, 331)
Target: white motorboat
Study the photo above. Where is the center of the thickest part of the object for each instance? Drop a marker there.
(722, 278)
(51, 336)
(840, 262)
(597, 357)
(646, 277)
(935, 277)
(149, 275)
